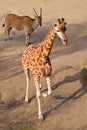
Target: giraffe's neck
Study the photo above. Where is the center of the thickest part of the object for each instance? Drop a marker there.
(48, 42)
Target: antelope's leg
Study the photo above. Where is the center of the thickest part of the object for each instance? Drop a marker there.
(38, 95)
(27, 86)
(5, 36)
(27, 36)
(9, 30)
(7, 33)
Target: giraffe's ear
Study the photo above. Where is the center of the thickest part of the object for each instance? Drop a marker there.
(63, 19)
(59, 21)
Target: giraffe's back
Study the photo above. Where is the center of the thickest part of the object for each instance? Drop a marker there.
(32, 59)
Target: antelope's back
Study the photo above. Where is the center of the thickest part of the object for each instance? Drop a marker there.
(18, 22)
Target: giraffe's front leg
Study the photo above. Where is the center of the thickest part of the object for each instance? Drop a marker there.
(40, 116)
(38, 95)
(27, 86)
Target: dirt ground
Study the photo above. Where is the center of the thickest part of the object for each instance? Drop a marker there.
(66, 108)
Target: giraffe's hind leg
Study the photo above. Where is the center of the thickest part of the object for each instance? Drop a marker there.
(49, 87)
(26, 70)
(38, 95)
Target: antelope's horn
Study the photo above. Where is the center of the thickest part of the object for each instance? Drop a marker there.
(40, 11)
(35, 11)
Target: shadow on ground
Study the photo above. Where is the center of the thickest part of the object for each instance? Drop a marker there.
(75, 95)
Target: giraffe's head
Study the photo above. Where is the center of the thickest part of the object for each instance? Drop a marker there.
(60, 29)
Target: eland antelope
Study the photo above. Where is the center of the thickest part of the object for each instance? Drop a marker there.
(25, 23)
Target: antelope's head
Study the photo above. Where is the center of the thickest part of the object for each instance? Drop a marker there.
(60, 29)
(38, 17)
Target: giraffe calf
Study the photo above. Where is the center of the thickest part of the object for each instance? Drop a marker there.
(36, 59)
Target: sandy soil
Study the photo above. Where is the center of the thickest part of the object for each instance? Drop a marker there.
(66, 108)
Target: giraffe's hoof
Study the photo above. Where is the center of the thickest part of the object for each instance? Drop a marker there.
(40, 117)
(49, 92)
(26, 100)
(44, 95)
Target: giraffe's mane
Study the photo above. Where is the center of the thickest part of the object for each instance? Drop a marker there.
(51, 28)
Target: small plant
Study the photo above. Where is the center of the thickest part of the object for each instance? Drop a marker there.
(2, 104)
(84, 74)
